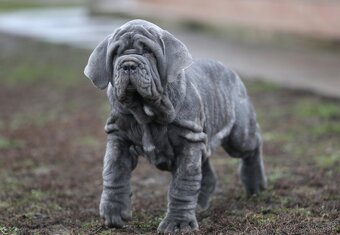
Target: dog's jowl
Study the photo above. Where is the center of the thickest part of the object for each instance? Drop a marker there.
(174, 111)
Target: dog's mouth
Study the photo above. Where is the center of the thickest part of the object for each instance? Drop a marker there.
(131, 88)
(133, 77)
(131, 91)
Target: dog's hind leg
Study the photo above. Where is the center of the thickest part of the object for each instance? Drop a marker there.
(207, 186)
(245, 142)
(252, 172)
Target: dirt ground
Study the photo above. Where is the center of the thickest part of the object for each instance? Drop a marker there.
(52, 143)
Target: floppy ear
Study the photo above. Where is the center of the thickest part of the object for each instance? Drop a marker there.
(177, 56)
(99, 67)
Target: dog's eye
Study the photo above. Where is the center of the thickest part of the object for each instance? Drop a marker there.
(146, 50)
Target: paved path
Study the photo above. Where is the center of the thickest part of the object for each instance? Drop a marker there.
(317, 71)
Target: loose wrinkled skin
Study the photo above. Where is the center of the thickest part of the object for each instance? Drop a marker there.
(174, 111)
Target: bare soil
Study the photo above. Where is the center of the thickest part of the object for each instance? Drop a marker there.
(52, 143)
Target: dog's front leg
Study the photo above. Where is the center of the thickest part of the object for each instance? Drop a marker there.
(183, 191)
(115, 202)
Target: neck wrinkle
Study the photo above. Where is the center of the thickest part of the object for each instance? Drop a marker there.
(177, 91)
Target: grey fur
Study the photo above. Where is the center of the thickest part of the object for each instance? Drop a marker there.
(174, 111)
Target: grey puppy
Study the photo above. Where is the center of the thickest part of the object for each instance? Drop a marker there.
(174, 111)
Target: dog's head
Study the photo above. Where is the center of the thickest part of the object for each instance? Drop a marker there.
(139, 58)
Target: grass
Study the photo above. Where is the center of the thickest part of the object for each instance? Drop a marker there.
(89, 141)
(12, 5)
(261, 86)
(326, 129)
(329, 161)
(52, 142)
(32, 68)
(277, 174)
(6, 143)
(8, 230)
(321, 117)
(318, 109)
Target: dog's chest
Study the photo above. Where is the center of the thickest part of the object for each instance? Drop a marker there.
(149, 140)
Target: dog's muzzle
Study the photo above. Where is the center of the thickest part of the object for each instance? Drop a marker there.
(131, 76)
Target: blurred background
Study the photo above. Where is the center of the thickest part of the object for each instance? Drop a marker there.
(51, 117)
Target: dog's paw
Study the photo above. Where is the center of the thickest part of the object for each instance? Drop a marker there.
(203, 201)
(254, 179)
(114, 214)
(174, 226)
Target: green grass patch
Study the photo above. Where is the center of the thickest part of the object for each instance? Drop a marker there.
(9, 182)
(303, 212)
(6, 143)
(16, 5)
(276, 174)
(8, 230)
(28, 72)
(89, 141)
(314, 108)
(25, 73)
(261, 86)
(36, 202)
(337, 229)
(4, 204)
(146, 222)
(105, 232)
(328, 161)
(296, 211)
(12, 5)
(277, 136)
(33, 118)
(326, 129)
(90, 224)
(37, 194)
(320, 118)
(261, 219)
(39, 63)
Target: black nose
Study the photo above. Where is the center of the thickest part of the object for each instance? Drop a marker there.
(129, 66)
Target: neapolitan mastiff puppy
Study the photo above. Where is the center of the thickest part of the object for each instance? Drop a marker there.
(174, 111)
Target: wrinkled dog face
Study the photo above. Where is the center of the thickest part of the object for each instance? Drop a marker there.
(136, 75)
